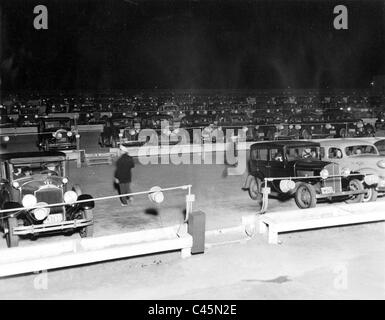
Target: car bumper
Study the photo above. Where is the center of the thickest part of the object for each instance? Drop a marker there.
(50, 227)
(66, 146)
(340, 194)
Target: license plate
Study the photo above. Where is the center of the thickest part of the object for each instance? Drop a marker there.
(54, 218)
(352, 130)
(327, 190)
(333, 131)
(261, 134)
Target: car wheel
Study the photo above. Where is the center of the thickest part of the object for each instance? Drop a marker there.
(270, 135)
(356, 185)
(89, 230)
(305, 196)
(12, 239)
(343, 133)
(371, 195)
(306, 134)
(255, 189)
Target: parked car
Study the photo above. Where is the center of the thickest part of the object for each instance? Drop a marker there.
(360, 156)
(56, 134)
(117, 131)
(30, 179)
(296, 169)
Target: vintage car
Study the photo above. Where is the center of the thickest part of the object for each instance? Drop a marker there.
(268, 126)
(199, 126)
(294, 167)
(314, 126)
(360, 156)
(32, 181)
(56, 134)
(123, 130)
(346, 125)
(236, 121)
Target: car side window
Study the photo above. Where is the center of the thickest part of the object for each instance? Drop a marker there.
(322, 152)
(335, 153)
(276, 155)
(259, 154)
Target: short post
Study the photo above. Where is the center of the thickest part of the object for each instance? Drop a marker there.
(78, 160)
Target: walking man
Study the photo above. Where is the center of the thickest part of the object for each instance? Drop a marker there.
(123, 175)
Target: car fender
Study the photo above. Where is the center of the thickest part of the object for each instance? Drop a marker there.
(248, 180)
(88, 205)
(10, 205)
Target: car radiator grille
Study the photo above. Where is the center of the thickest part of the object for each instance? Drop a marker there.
(334, 182)
(50, 196)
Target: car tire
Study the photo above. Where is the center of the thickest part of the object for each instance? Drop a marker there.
(342, 133)
(305, 196)
(87, 231)
(12, 239)
(255, 189)
(306, 134)
(371, 195)
(356, 184)
(270, 135)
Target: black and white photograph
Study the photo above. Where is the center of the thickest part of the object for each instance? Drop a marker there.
(192, 150)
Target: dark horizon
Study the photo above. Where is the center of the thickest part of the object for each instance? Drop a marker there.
(103, 45)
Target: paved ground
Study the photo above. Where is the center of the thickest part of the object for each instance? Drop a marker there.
(336, 263)
(307, 265)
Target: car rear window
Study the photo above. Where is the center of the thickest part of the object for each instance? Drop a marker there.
(360, 150)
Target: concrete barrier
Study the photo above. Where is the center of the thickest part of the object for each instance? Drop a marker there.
(17, 130)
(319, 217)
(61, 254)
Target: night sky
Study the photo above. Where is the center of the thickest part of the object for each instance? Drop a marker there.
(117, 44)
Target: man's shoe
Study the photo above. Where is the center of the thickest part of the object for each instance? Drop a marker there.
(124, 204)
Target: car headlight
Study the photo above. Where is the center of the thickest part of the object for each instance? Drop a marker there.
(41, 213)
(291, 127)
(58, 135)
(156, 195)
(15, 184)
(6, 139)
(29, 201)
(359, 125)
(286, 185)
(64, 180)
(280, 127)
(312, 128)
(381, 164)
(120, 135)
(69, 134)
(345, 172)
(324, 174)
(298, 126)
(77, 136)
(70, 197)
(371, 179)
(244, 129)
(132, 132)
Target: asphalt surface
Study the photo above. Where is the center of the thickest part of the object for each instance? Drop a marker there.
(333, 263)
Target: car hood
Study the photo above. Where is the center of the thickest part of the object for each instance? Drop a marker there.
(31, 184)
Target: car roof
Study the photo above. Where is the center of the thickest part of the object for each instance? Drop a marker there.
(33, 156)
(283, 143)
(56, 118)
(344, 142)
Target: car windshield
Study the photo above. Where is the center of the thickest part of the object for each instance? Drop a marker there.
(22, 170)
(361, 150)
(305, 152)
(380, 145)
(123, 122)
(57, 124)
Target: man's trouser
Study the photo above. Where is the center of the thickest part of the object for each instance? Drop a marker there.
(123, 189)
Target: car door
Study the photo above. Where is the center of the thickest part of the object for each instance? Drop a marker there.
(276, 164)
